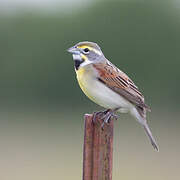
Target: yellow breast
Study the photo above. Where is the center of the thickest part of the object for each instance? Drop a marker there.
(84, 77)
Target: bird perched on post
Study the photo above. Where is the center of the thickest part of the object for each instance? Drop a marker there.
(108, 86)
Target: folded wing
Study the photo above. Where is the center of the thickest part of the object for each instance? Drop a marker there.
(120, 83)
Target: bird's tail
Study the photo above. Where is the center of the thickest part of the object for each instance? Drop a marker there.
(140, 114)
(149, 134)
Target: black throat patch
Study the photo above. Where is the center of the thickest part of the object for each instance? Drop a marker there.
(77, 63)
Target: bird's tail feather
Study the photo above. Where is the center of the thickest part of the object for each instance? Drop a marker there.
(140, 114)
(149, 134)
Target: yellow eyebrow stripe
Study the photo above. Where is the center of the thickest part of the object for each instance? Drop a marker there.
(84, 46)
(90, 48)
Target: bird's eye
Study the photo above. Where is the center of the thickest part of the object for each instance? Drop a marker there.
(86, 50)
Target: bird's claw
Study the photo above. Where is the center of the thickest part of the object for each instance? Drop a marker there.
(106, 116)
(95, 114)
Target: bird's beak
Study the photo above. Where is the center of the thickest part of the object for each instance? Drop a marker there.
(73, 50)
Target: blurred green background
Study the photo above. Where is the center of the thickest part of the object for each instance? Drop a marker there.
(42, 106)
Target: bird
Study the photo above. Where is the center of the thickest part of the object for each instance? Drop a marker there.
(108, 86)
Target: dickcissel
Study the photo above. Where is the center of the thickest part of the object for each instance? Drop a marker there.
(108, 86)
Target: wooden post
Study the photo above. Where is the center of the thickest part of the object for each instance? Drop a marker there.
(98, 149)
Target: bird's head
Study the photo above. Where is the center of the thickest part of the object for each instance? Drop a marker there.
(85, 53)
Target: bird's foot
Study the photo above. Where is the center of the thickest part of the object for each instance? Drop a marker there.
(106, 116)
(99, 113)
(110, 114)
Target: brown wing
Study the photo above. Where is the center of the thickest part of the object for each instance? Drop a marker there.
(119, 82)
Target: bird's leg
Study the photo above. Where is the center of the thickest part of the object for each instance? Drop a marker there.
(100, 113)
(109, 114)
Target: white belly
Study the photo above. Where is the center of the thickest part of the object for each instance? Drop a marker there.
(101, 94)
